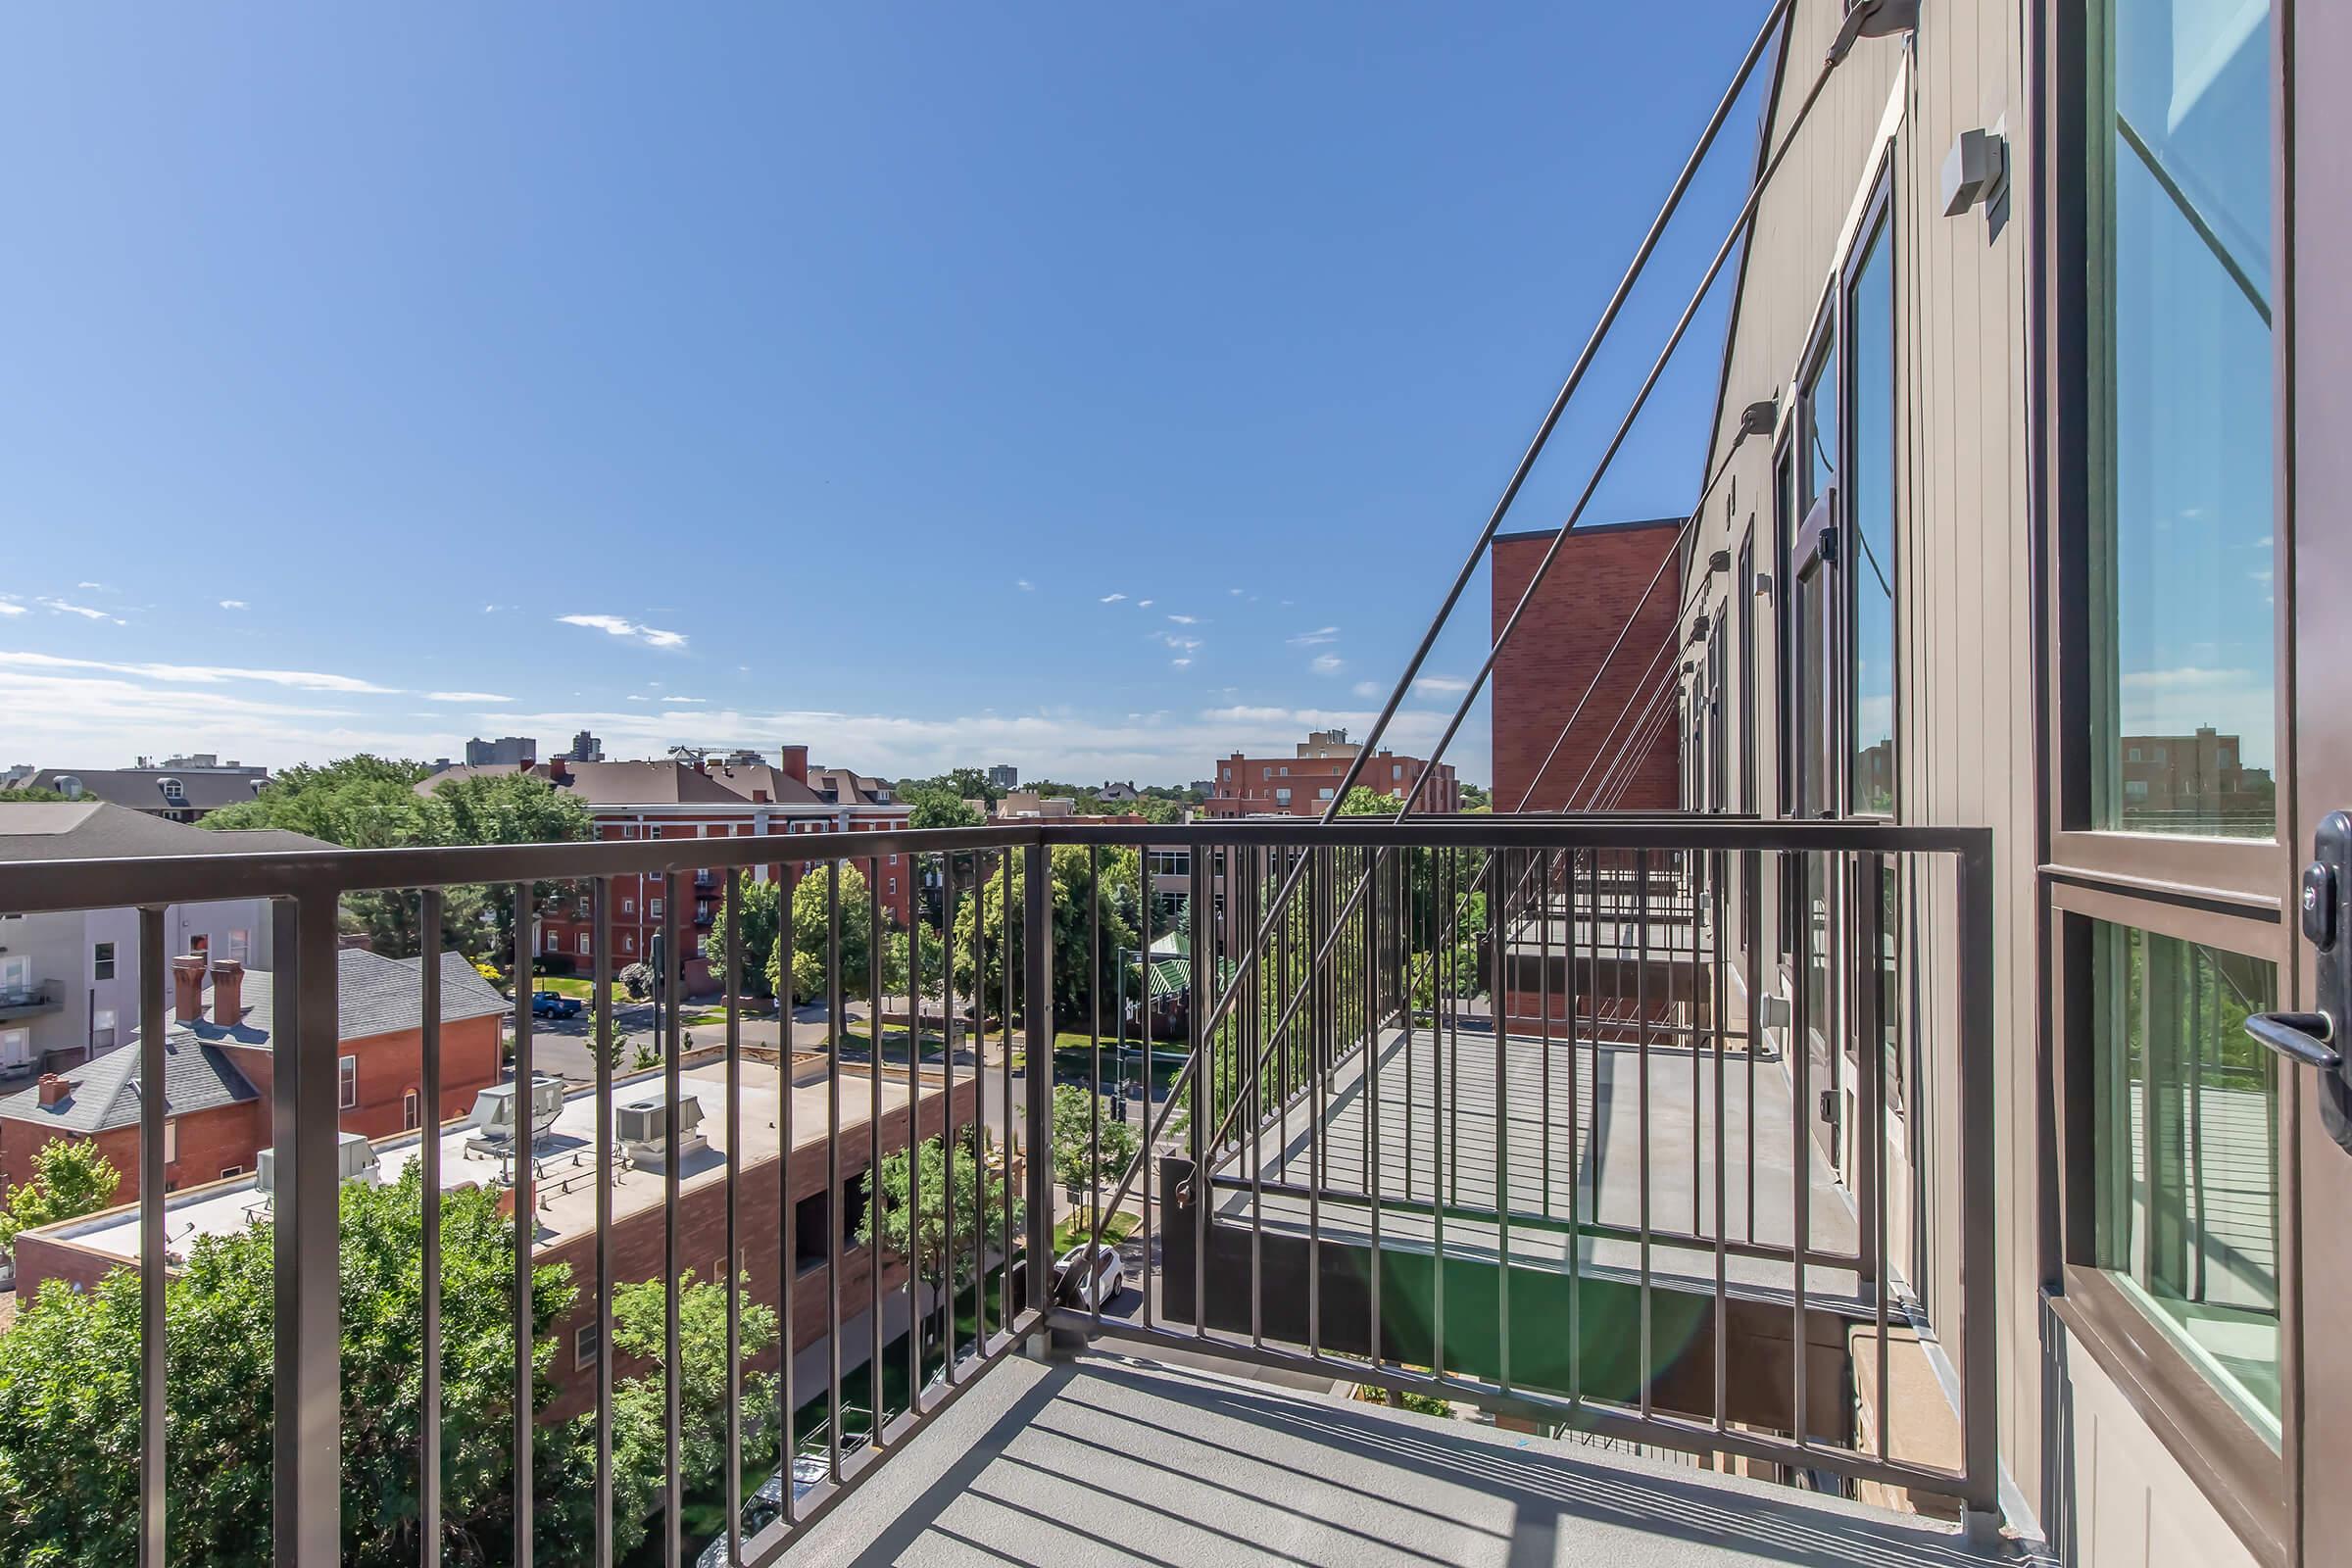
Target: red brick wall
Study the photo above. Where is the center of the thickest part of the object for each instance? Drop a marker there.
(1561, 642)
(208, 1142)
(1250, 790)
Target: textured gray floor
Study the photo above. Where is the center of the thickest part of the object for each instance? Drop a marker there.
(1109, 1460)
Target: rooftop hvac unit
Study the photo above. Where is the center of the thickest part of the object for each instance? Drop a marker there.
(639, 1127)
(354, 1161)
(494, 1116)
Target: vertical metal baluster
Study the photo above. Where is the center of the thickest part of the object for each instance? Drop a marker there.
(1204, 968)
(673, 1355)
(1439, 1156)
(1246, 888)
(1718, 866)
(978, 1128)
(1285, 986)
(948, 1131)
(1094, 1067)
(1498, 866)
(787, 1259)
(1143, 888)
(1873, 872)
(1408, 927)
(1010, 1152)
(1752, 896)
(733, 1482)
(1690, 1016)
(1543, 1007)
(603, 1016)
(1037, 986)
(877, 972)
(428, 1159)
(1372, 980)
(1319, 1005)
(1800, 1058)
(527, 1223)
(914, 1138)
(1641, 1051)
(1449, 933)
(1576, 1113)
(154, 1246)
(836, 1026)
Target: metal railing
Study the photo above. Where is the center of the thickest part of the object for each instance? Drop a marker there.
(1394, 1132)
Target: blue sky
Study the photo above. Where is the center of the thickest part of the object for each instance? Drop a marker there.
(1096, 388)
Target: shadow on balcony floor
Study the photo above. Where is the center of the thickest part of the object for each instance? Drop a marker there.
(1111, 1460)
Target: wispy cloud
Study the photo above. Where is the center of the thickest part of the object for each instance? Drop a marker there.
(1143, 604)
(67, 607)
(308, 680)
(1112, 599)
(1439, 685)
(1183, 644)
(233, 604)
(1316, 638)
(466, 697)
(621, 626)
(1025, 585)
(7, 607)
(1181, 664)
(1366, 688)
(1186, 621)
(1328, 664)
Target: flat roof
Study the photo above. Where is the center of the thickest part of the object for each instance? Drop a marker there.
(566, 1162)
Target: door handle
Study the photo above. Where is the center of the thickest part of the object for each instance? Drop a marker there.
(2298, 1037)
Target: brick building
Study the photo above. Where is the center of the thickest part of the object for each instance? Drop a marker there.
(218, 1069)
(1303, 785)
(734, 797)
(1616, 754)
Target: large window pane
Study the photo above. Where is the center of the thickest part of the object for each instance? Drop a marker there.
(2187, 1152)
(1870, 507)
(2181, 609)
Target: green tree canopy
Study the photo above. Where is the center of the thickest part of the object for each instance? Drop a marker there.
(934, 807)
(1077, 980)
(1079, 1159)
(933, 1228)
(69, 1180)
(762, 903)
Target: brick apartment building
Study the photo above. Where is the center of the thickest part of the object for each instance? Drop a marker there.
(1303, 785)
(1619, 754)
(219, 1063)
(734, 797)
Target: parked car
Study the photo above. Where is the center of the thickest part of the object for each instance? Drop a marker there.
(811, 1469)
(553, 1004)
(1096, 1287)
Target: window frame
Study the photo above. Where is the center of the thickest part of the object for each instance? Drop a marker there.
(347, 1083)
(105, 960)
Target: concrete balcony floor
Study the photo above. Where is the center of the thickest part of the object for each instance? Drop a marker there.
(1103, 1458)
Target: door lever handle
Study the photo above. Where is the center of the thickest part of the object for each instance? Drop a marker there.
(2298, 1037)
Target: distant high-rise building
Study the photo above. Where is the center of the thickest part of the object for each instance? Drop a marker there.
(517, 751)
(1004, 776)
(586, 748)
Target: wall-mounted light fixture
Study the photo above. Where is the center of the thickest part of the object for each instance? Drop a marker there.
(1763, 585)
(1720, 561)
(1976, 172)
(1872, 18)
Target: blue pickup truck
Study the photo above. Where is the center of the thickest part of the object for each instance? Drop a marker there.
(553, 1004)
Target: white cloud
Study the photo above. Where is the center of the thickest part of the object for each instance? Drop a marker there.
(621, 626)
(308, 680)
(1366, 688)
(1143, 604)
(1236, 592)
(232, 603)
(1317, 637)
(63, 608)
(1441, 685)
(95, 587)
(7, 609)
(1328, 664)
(1025, 586)
(466, 697)
(1112, 599)
(1186, 621)
(1181, 664)
(1183, 644)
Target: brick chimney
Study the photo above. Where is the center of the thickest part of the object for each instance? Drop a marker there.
(187, 987)
(53, 1088)
(558, 771)
(229, 993)
(794, 759)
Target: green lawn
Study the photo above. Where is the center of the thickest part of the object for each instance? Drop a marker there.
(1117, 1226)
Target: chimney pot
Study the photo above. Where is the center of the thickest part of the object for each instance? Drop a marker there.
(187, 987)
(53, 1088)
(795, 762)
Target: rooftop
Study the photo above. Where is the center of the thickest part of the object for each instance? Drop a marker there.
(88, 830)
(203, 785)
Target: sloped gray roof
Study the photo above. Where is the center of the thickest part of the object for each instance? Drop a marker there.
(374, 996)
(105, 1092)
(91, 830)
(142, 787)
(746, 778)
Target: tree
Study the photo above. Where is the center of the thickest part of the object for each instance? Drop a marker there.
(933, 1229)
(1475, 799)
(1081, 1160)
(1365, 800)
(639, 1328)
(762, 903)
(29, 797)
(811, 935)
(1077, 980)
(933, 807)
(69, 1180)
(637, 979)
(69, 1413)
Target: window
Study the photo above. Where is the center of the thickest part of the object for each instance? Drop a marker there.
(171, 1140)
(231, 1172)
(628, 942)
(894, 887)
(1743, 590)
(101, 1029)
(174, 792)
(102, 961)
(347, 1083)
(1323, 794)
(628, 906)
(1171, 862)
(411, 1109)
(1870, 518)
(587, 1344)
(2185, 1152)
(587, 943)
(854, 1195)
(240, 943)
(811, 1233)
(653, 908)
(1282, 797)
(2177, 558)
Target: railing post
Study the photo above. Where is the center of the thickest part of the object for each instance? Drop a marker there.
(1036, 1020)
(307, 1469)
(1979, 1177)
